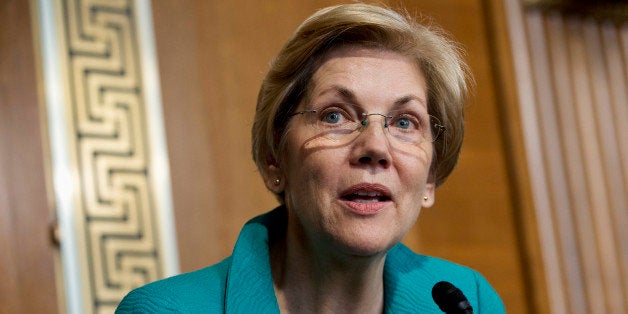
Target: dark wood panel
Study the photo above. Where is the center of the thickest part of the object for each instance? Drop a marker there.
(26, 253)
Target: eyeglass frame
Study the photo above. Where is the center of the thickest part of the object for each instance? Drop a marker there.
(364, 121)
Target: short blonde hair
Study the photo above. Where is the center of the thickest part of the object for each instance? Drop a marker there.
(288, 79)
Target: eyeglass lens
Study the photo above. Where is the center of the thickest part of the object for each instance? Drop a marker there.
(405, 127)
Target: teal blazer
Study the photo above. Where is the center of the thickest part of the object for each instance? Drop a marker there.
(242, 283)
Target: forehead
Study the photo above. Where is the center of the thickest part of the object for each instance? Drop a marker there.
(372, 73)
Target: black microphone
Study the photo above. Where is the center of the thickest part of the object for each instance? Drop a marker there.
(450, 299)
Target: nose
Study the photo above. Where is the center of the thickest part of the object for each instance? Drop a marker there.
(372, 146)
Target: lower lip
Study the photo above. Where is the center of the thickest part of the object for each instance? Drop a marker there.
(365, 209)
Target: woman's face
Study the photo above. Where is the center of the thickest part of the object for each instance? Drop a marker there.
(358, 193)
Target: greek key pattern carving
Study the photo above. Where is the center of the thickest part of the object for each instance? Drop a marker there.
(106, 105)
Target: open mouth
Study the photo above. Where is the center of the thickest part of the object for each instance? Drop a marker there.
(366, 197)
(367, 193)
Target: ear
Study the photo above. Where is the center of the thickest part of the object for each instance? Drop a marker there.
(427, 199)
(274, 180)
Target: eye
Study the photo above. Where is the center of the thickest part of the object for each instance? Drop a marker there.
(332, 117)
(405, 122)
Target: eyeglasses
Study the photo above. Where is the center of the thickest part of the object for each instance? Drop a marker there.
(342, 124)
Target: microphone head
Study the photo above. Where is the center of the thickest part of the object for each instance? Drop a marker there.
(450, 299)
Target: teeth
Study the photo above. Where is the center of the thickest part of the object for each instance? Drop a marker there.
(372, 200)
(370, 194)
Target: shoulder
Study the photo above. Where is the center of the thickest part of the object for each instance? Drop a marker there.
(404, 260)
(190, 292)
(416, 274)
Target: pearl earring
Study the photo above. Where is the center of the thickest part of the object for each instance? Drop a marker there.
(276, 182)
(425, 198)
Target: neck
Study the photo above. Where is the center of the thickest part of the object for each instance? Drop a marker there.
(308, 279)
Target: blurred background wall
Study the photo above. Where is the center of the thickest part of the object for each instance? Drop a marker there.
(537, 203)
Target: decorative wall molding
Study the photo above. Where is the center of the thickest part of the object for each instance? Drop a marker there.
(108, 155)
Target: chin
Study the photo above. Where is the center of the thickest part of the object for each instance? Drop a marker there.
(370, 236)
(367, 245)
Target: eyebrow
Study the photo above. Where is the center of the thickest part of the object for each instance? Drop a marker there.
(408, 98)
(350, 96)
(344, 92)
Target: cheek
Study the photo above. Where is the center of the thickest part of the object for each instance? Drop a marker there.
(414, 170)
(417, 162)
(309, 168)
(309, 159)
(310, 189)
(314, 171)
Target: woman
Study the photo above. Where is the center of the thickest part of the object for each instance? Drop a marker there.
(358, 121)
